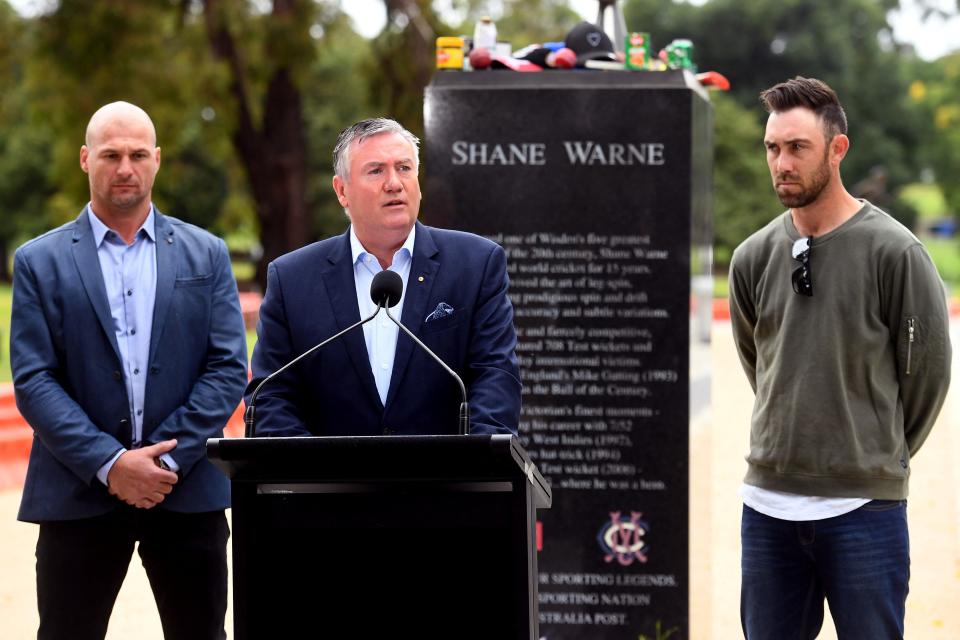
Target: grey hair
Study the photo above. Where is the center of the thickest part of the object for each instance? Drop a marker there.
(367, 129)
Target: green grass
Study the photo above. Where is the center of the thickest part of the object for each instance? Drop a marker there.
(6, 299)
(244, 271)
(721, 286)
(946, 255)
(251, 340)
(927, 199)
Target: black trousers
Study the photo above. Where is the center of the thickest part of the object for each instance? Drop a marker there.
(81, 565)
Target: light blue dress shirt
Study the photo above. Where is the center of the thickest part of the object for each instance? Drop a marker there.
(130, 278)
(380, 334)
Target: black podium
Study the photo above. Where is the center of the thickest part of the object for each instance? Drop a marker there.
(383, 537)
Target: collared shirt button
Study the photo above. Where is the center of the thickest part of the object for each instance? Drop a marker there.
(133, 332)
(139, 412)
(136, 372)
(129, 292)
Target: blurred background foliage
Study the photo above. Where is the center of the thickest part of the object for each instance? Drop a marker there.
(248, 97)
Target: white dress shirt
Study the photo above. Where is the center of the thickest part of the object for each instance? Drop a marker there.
(380, 334)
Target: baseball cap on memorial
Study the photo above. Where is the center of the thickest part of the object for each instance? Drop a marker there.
(589, 42)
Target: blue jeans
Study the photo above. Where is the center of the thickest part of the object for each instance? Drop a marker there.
(859, 561)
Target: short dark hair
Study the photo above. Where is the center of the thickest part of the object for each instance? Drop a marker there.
(367, 129)
(808, 93)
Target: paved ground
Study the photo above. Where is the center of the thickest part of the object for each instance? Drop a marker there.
(718, 444)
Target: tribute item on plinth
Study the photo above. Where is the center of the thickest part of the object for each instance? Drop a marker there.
(597, 185)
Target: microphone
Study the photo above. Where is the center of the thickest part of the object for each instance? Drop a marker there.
(387, 294)
(385, 290)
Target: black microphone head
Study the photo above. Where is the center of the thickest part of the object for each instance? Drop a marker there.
(386, 289)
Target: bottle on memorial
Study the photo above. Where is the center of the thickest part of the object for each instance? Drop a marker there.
(485, 35)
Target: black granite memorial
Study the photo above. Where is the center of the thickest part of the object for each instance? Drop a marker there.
(597, 185)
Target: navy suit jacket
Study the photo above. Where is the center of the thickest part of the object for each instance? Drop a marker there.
(311, 295)
(67, 368)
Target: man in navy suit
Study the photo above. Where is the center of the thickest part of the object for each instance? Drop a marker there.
(376, 381)
(128, 352)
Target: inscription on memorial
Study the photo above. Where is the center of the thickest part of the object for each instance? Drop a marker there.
(589, 310)
(579, 297)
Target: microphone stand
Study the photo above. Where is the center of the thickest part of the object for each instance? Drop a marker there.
(249, 414)
(464, 407)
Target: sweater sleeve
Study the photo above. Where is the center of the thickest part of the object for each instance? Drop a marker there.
(743, 319)
(920, 326)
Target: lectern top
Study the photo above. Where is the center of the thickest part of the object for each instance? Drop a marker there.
(378, 459)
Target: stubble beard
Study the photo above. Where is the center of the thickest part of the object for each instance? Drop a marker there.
(809, 194)
(127, 200)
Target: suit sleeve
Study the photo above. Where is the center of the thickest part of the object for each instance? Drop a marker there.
(920, 323)
(493, 377)
(743, 319)
(57, 420)
(217, 391)
(276, 406)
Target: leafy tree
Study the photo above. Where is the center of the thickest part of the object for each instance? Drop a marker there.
(25, 152)
(522, 22)
(234, 88)
(337, 94)
(263, 97)
(403, 61)
(84, 55)
(404, 54)
(847, 43)
(290, 82)
(936, 93)
(739, 160)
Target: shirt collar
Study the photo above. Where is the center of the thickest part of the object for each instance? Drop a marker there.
(357, 251)
(100, 229)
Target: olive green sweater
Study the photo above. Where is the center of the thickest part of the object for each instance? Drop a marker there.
(848, 382)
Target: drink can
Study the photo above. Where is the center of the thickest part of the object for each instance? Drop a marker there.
(680, 55)
(449, 52)
(637, 48)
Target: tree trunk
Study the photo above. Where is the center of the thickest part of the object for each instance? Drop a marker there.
(408, 65)
(5, 274)
(274, 154)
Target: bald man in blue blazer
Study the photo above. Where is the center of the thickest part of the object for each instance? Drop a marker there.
(375, 380)
(128, 352)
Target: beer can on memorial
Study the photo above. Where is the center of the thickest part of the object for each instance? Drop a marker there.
(637, 47)
(680, 55)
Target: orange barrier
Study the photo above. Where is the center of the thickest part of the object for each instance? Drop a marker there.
(250, 308)
(16, 438)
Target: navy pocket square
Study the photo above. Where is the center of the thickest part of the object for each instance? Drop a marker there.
(442, 311)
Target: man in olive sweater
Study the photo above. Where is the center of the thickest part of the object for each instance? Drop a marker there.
(840, 320)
